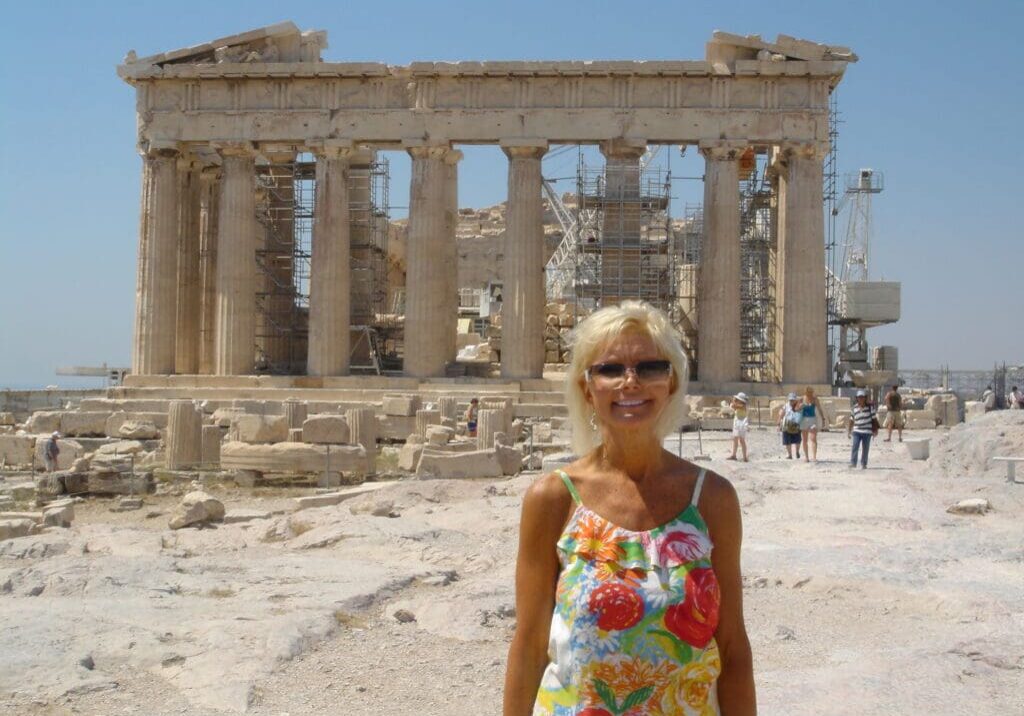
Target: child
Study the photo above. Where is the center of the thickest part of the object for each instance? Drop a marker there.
(789, 423)
(740, 425)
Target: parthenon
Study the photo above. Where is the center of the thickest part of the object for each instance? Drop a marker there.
(208, 115)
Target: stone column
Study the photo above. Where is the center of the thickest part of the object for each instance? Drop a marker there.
(429, 340)
(296, 412)
(235, 335)
(184, 441)
(424, 419)
(488, 423)
(718, 334)
(187, 331)
(449, 406)
(362, 426)
(212, 435)
(330, 284)
(522, 312)
(209, 195)
(157, 279)
(620, 230)
(801, 312)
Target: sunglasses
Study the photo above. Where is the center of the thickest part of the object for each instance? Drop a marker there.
(646, 371)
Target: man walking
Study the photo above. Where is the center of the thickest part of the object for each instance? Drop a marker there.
(862, 426)
(894, 418)
(51, 452)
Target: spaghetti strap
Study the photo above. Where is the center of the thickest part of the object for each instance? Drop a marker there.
(568, 484)
(697, 489)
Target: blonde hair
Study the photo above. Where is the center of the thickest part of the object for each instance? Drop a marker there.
(593, 335)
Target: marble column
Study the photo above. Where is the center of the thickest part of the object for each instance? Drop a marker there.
(157, 279)
(450, 254)
(718, 334)
(330, 283)
(187, 332)
(430, 326)
(522, 312)
(620, 230)
(235, 333)
(801, 312)
(209, 196)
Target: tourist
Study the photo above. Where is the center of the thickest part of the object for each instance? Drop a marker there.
(51, 451)
(1015, 400)
(988, 398)
(789, 424)
(894, 415)
(862, 427)
(809, 412)
(740, 425)
(615, 567)
(471, 415)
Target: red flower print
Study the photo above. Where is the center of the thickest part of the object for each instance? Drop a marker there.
(595, 712)
(683, 544)
(695, 620)
(617, 606)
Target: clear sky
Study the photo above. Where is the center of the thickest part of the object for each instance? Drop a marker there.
(936, 103)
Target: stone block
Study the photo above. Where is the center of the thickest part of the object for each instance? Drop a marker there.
(9, 529)
(973, 409)
(362, 425)
(212, 435)
(447, 465)
(409, 456)
(295, 435)
(395, 427)
(117, 483)
(293, 458)
(49, 485)
(426, 418)
(439, 435)
(197, 508)
(184, 438)
(16, 450)
(225, 416)
(401, 405)
(295, 412)
(117, 420)
(75, 483)
(326, 430)
(138, 430)
(919, 419)
(510, 459)
(334, 498)
(80, 424)
(8, 419)
(59, 515)
(259, 429)
(43, 421)
(70, 450)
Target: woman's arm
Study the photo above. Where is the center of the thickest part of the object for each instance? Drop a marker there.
(736, 694)
(545, 507)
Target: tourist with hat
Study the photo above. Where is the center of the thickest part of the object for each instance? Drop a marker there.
(789, 424)
(740, 425)
(51, 451)
(862, 426)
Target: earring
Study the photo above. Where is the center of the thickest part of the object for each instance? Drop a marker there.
(593, 422)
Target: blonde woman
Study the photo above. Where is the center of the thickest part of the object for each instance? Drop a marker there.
(628, 588)
(809, 412)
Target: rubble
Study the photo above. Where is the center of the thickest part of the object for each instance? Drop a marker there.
(197, 508)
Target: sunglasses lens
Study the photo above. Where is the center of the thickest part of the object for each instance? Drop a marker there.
(653, 369)
(609, 370)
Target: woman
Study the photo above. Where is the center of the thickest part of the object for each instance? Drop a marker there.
(740, 425)
(809, 412)
(619, 605)
(789, 424)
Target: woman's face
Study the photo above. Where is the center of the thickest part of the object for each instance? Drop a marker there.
(628, 402)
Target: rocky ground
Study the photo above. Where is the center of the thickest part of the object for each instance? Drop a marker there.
(863, 596)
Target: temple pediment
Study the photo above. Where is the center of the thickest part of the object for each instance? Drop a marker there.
(283, 42)
(728, 48)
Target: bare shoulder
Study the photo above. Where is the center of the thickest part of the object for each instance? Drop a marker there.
(546, 504)
(719, 504)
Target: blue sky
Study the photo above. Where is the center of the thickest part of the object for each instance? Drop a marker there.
(935, 103)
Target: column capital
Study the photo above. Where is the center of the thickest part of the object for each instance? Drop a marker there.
(722, 150)
(210, 173)
(802, 150)
(155, 148)
(420, 149)
(331, 148)
(524, 148)
(453, 157)
(234, 149)
(623, 148)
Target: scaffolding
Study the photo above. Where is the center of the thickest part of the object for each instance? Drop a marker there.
(285, 206)
(757, 263)
(626, 249)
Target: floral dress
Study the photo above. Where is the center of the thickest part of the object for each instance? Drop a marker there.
(632, 633)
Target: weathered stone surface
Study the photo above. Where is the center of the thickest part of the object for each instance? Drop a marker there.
(75, 483)
(50, 485)
(362, 425)
(225, 416)
(119, 483)
(395, 427)
(43, 421)
(326, 429)
(59, 514)
(973, 506)
(476, 463)
(138, 430)
(510, 459)
(121, 447)
(117, 420)
(242, 515)
(259, 429)
(9, 529)
(212, 437)
(197, 508)
(334, 498)
(70, 450)
(449, 407)
(16, 450)
(489, 422)
(292, 458)
(409, 456)
(295, 412)
(400, 405)
(82, 424)
(8, 419)
(919, 419)
(439, 435)
(426, 418)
